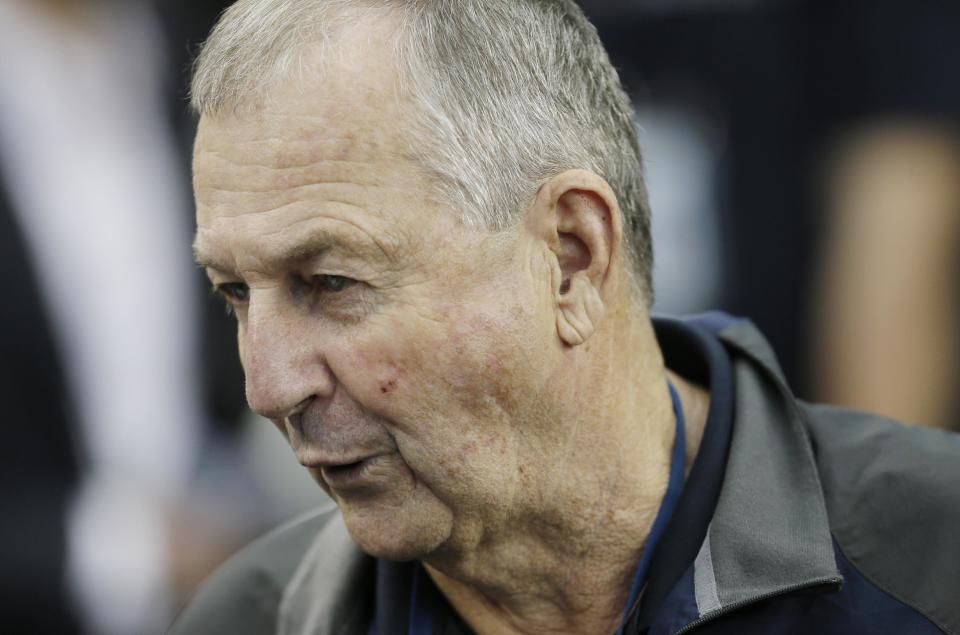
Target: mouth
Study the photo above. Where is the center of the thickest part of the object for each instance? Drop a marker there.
(343, 469)
(347, 475)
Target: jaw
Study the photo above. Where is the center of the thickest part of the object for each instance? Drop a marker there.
(408, 529)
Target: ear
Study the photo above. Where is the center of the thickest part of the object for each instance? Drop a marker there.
(577, 214)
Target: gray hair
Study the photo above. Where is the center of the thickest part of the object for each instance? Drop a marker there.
(507, 93)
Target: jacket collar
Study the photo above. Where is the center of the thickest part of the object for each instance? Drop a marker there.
(769, 534)
(328, 593)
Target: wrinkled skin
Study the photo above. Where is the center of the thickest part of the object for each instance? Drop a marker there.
(432, 358)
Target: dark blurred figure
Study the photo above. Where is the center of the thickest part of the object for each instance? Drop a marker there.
(888, 290)
(740, 67)
(889, 286)
(796, 94)
(101, 380)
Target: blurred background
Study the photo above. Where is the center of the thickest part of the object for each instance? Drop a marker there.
(803, 160)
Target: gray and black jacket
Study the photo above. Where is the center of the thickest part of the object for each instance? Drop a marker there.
(794, 518)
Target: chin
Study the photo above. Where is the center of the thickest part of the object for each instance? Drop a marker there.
(410, 532)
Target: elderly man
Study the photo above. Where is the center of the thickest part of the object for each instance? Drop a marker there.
(429, 219)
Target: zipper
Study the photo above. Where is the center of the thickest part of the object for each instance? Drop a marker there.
(835, 581)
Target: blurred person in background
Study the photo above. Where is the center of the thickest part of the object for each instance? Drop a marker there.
(729, 77)
(101, 379)
(887, 292)
(809, 146)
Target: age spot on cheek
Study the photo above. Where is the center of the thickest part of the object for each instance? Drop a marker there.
(388, 385)
(383, 374)
(389, 379)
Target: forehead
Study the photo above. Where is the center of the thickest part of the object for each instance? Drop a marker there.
(244, 163)
(338, 112)
(327, 145)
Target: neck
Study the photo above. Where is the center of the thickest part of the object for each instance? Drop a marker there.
(569, 570)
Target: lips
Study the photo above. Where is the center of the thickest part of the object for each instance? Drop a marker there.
(347, 471)
(344, 475)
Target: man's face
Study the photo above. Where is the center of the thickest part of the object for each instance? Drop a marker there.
(405, 357)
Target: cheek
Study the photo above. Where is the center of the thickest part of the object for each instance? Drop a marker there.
(485, 365)
(456, 395)
(460, 362)
(374, 377)
(377, 371)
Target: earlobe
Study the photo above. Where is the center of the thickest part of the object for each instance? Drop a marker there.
(579, 311)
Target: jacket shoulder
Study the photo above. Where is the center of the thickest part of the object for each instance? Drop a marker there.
(243, 595)
(894, 505)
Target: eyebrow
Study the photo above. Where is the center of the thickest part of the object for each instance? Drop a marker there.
(313, 248)
(207, 259)
(310, 247)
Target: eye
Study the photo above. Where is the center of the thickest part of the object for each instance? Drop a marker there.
(333, 284)
(234, 292)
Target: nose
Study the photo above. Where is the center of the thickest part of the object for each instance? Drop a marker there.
(284, 361)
